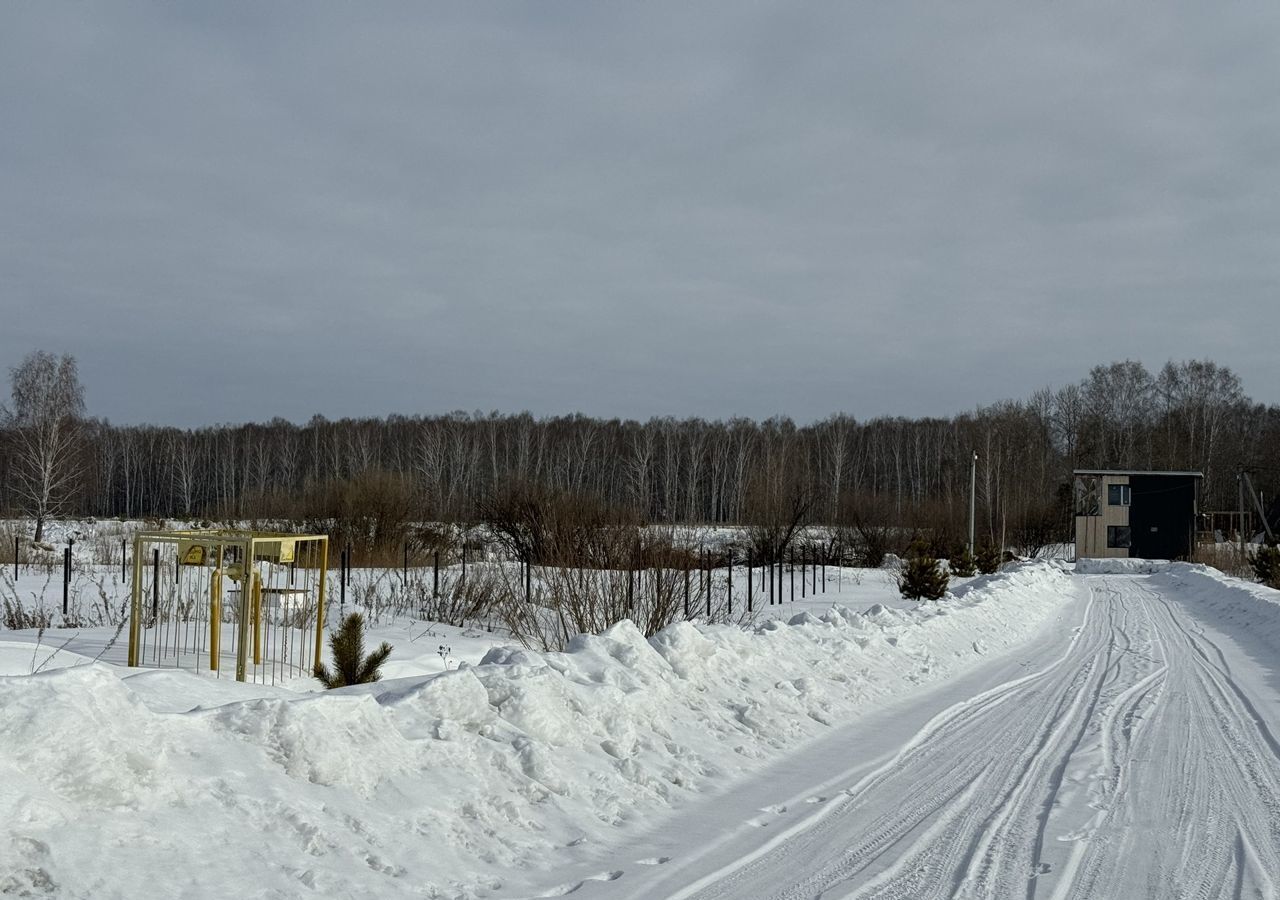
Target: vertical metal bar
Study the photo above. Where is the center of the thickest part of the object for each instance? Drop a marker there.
(135, 605)
(973, 490)
(15, 561)
(320, 611)
(793, 576)
(215, 614)
(257, 618)
(706, 566)
(804, 579)
(435, 577)
(686, 587)
(729, 582)
(155, 598)
(750, 584)
(66, 577)
(246, 610)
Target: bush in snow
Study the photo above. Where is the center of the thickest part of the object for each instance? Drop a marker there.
(987, 559)
(922, 578)
(963, 564)
(1266, 566)
(350, 665)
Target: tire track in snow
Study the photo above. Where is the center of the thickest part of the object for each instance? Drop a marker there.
(1133, 766)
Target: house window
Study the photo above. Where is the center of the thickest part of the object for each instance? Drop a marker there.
(1119, 537)
(1118, 495)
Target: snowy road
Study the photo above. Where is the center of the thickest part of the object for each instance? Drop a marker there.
(1139, 762)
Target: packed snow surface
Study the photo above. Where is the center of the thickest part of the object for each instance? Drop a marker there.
(1138, 759)
(482, 780)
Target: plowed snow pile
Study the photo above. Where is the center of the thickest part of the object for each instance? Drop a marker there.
(455, 785)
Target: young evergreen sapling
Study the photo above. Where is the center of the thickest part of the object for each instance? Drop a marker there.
(350, 665)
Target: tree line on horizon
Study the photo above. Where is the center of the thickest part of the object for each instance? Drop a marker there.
(57, 461)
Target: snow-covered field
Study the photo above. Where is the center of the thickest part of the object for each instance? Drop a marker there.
(1041, 732)
(485, 771)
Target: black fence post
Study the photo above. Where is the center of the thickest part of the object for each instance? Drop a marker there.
(750, 585)
(404, 569)
(686, 588)
(15, 559)
(804, 575)
(729, 582)
(155, 584)
(124, 560)
(706, 563)
(824, 570)
(66, 576)
(342, 580)
(528, 582)
(793, 576)
(435, 575)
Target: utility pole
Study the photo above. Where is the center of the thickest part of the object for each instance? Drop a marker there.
(1240, 484)
(973, 491)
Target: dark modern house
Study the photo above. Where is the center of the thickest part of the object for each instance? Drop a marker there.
(1145, 515)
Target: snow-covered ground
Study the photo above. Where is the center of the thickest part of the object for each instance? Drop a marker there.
(489, 778)
(1039, 733)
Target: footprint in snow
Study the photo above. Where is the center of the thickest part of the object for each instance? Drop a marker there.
(653, 861)
(565, 890)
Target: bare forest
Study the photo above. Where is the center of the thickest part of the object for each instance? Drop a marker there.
(469, 467)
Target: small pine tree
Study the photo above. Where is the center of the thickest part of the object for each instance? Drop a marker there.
(963, 565)
(987, 559)
(350, 665)
(1266, 566)
(922, 578)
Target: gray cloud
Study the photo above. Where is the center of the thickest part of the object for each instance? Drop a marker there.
(235, 211)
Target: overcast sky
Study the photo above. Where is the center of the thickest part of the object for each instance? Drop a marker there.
(234, 211)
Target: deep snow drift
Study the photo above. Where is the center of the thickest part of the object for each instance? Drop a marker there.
(466, 783)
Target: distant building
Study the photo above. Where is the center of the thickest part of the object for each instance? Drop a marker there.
(1145, 515)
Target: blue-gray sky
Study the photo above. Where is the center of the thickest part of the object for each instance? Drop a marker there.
(231, 211)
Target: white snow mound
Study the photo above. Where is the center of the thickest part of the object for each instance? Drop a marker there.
(450, 785)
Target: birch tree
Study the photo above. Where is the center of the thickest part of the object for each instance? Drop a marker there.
(45, 419)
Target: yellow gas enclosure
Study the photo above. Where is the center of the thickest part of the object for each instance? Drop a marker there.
(265, 590)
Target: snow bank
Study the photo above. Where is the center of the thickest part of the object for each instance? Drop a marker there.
(1120, 566)
(451, 785)
(1247, 611)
